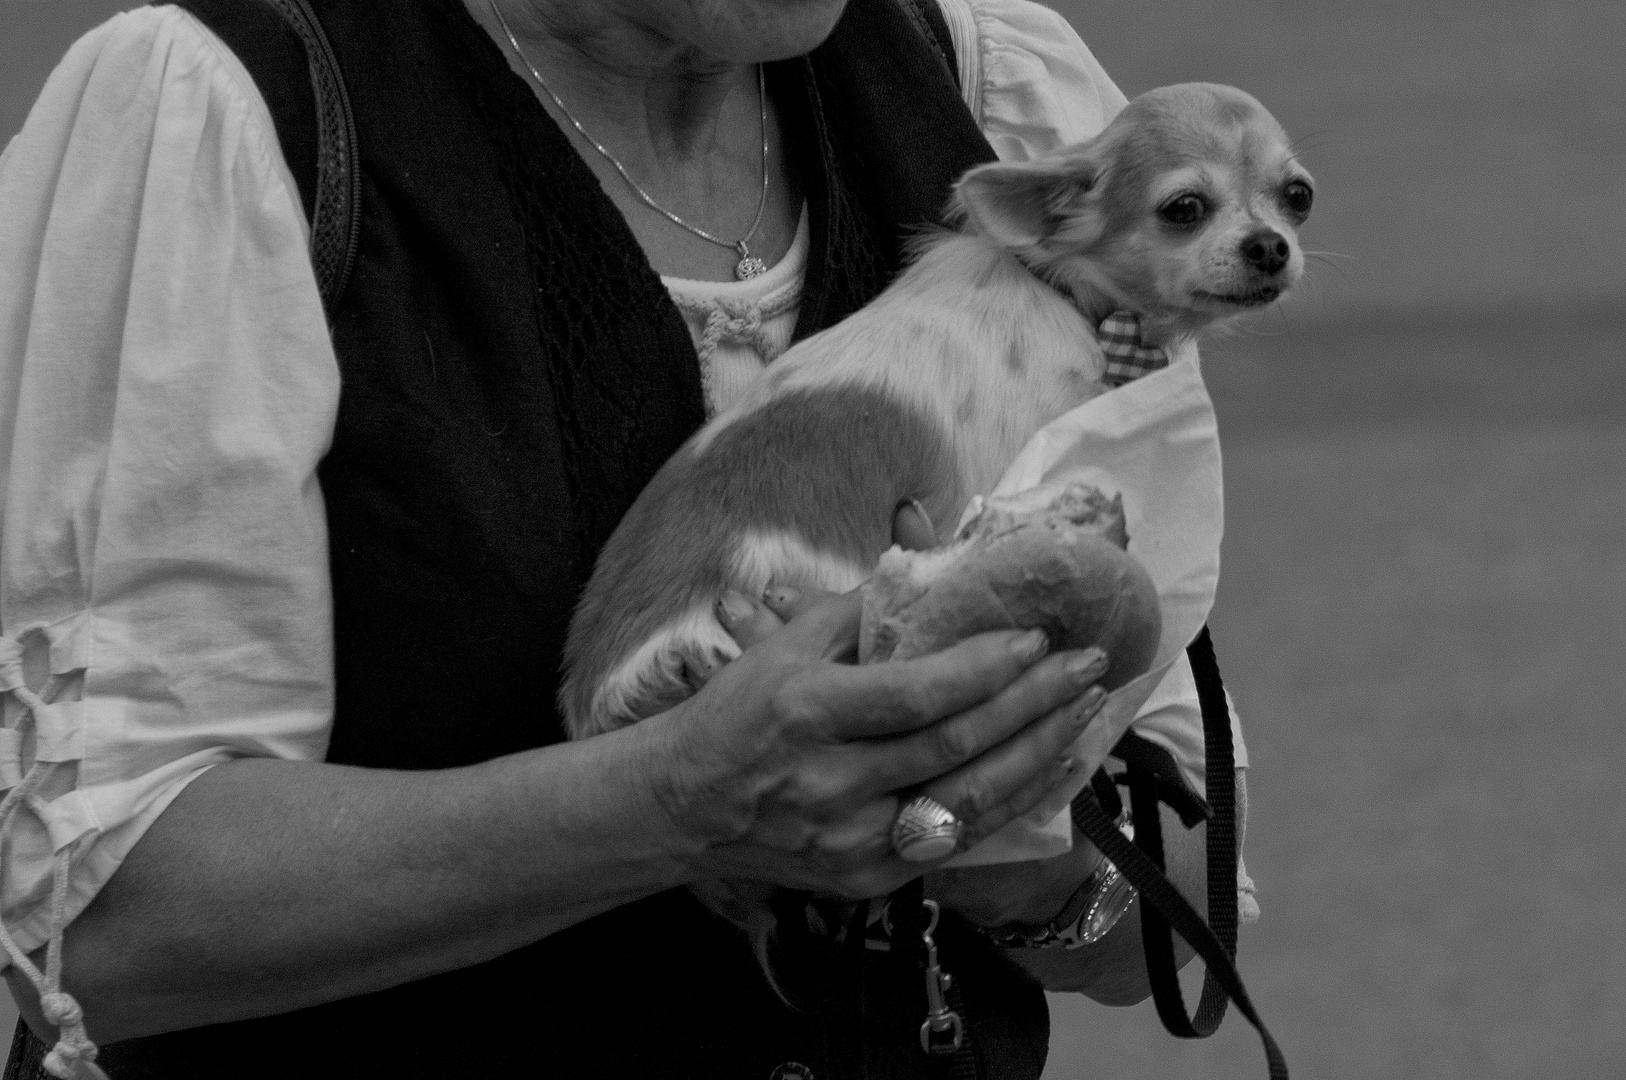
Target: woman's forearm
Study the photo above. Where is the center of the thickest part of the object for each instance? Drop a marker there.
(273, 885)
(268, 886)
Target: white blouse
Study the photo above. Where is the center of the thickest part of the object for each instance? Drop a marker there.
(167, 388)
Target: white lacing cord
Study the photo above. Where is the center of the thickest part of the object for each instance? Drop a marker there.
(735, 322)
(1247, 895)
(74, 1055)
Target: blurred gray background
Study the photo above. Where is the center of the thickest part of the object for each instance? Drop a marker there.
(1424, 597)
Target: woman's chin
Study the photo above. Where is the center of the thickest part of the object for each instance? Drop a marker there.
(761, 31)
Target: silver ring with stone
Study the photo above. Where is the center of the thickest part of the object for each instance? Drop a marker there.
(926, 830)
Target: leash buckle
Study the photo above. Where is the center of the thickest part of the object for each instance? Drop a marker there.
(942, 1032)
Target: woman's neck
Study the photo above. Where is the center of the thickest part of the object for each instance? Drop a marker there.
(687, 126)
(632, 84)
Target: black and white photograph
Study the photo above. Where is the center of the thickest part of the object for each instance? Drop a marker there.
(812, 540)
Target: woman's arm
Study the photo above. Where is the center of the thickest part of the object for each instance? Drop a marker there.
(271, 885)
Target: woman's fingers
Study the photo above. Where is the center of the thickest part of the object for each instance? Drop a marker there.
(912, 527)
(818, 623)
(1015, 776)
(985, 723)
(750, 621)
(900, 697)
(747, 619)
(790, 603)
(1009, 721)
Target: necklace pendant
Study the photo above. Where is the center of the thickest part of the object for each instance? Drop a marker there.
(749, 265)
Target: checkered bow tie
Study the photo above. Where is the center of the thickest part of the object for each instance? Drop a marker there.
(1127, 358)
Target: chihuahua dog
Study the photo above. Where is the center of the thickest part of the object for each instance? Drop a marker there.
(1182, 211)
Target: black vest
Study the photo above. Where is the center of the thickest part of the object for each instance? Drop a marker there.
(513, 373)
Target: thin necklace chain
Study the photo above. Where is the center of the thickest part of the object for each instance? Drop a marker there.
(749, 265)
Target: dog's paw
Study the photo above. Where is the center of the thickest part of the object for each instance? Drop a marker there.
(698, 670)
(666, 670)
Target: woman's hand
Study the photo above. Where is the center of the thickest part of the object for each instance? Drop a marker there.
(1113, 970)
(785, 767)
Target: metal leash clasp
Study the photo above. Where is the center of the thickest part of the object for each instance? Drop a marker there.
(942, 1033)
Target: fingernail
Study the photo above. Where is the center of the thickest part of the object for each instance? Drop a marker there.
(779, 596)
(1031, 645)
(1088, 705)
(733, 608)
(1088, 666)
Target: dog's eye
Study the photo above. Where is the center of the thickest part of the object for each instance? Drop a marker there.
(1298, 197)
(1183, 210)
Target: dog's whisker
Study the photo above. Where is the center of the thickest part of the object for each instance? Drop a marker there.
(1251, 332)
(1243, 330)
(1311, 141)
(1320, 260)
(1317, 296)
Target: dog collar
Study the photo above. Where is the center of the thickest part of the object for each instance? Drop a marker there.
(1128, 357)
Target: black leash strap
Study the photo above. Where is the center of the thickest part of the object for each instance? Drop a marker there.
(1220, 755)
(1156, 769)
(1163, 907)
(1159, 897)
(1159, 945)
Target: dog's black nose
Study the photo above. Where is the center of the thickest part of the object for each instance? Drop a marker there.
(1266, 250)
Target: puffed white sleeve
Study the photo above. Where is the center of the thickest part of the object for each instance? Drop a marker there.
(1027, 77)
(167, 388)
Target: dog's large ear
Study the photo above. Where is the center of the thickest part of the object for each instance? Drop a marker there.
(1020, 204)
